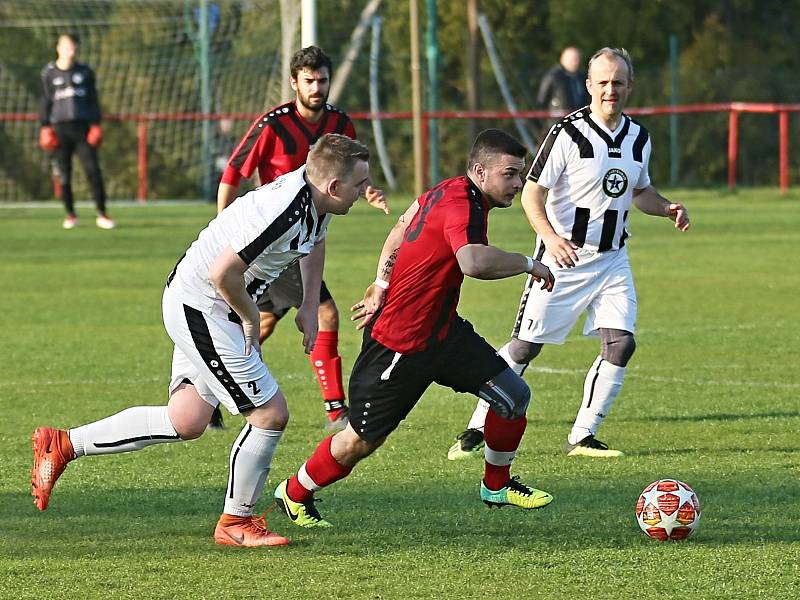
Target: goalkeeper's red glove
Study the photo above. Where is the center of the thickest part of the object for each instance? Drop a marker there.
(48, 140)
(95, 136)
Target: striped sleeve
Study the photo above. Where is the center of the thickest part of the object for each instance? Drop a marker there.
(257, 143)
(544, 153)
(550, 161)
(278, 227)
(465, 223)
(644, 174)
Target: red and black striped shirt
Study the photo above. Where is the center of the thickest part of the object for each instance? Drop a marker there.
(426, 279)
(278, 142)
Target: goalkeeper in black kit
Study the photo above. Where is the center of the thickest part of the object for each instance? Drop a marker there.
(70, 118)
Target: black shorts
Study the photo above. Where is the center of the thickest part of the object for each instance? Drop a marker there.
(286, 292)
(386, 385)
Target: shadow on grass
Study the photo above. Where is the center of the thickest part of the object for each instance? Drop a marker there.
(379, 516)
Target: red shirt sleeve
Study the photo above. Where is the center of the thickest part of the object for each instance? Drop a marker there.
(256, 147)
(350, 130)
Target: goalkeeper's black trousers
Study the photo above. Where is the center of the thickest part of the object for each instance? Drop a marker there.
(71, 140)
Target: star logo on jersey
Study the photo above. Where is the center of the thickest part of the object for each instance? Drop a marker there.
(77, 78)
(615, 183)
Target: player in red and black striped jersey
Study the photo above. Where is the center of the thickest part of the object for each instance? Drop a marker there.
(276, 143)
(413, 336)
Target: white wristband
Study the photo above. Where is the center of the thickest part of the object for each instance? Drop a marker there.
(529, 268)
(383, 284)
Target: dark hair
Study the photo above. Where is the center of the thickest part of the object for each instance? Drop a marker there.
(312, 58)
(71, 35)
(494, 141)
(335, 155)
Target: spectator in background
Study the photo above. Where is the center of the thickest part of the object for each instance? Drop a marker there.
(70, 118)
(563, 88)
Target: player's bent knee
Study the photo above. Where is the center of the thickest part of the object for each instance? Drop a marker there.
(507, 393)
(618, 346)
(328, 316)
(523, 352)
(266, 326)
(273, 415)
(348, 448)
(188, 412)
(189, 427)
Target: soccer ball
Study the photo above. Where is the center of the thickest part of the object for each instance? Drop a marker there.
(668, 509)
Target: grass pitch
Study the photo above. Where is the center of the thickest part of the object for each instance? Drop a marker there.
(710, 398)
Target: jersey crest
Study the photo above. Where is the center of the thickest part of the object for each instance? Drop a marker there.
(591, 173)
(615, 183)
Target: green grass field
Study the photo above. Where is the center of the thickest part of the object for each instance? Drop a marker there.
(711, 397)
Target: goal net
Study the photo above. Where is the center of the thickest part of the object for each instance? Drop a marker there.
(149, 60)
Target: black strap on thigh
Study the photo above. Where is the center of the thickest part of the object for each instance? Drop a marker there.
(507, 393)
(618, 346)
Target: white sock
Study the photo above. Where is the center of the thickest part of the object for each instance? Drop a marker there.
(132, 429)
(251, 458)
(498, 459)
(478, 418)
(518, 368)
(603, 383)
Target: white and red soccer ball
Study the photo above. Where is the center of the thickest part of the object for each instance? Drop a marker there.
(668, 509)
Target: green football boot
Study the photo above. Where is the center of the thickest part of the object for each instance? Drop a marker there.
(468, 443)
(515, 493)
(302, 514)
(589, 446)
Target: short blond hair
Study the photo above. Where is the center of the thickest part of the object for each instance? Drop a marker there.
(335, 155)
(619, 53)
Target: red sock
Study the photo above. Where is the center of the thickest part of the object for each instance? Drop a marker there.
(327, 366)
(501, 435)
(319, 471)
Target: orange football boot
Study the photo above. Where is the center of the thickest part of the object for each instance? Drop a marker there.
(246, 531)
(52, 450)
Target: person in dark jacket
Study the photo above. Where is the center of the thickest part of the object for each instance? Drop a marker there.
(563, 88)
(70, 119)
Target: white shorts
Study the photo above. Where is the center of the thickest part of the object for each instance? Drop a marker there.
(209, 353)
(601, 283)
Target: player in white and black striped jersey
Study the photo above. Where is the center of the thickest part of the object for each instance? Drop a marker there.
(210, 313)
(591, 167)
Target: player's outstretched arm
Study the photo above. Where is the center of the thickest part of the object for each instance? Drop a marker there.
(650, 202)
(488, 262)
(227, 275)
(226, 194)
(375, 294)
(307, 320)
(533, 201)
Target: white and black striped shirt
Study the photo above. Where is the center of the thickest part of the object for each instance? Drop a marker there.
(591, 173)
(269, 228)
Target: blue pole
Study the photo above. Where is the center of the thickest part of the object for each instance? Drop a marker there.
(432, 53)
(674, 157)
